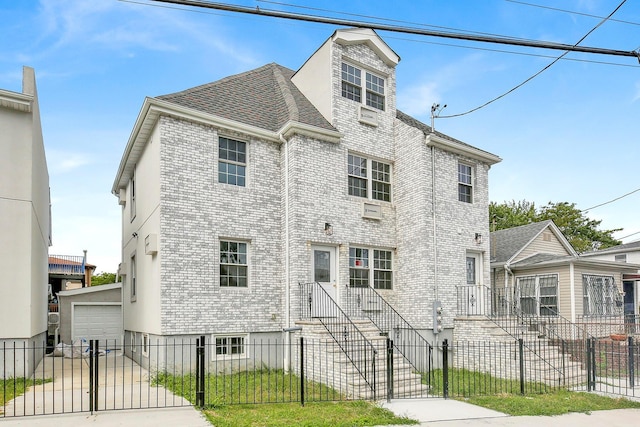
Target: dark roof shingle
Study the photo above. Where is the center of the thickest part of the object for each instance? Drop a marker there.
(264, 97)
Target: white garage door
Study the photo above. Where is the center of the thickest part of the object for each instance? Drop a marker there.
(101, 322)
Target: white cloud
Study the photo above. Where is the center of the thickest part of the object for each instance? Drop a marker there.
(60, 162)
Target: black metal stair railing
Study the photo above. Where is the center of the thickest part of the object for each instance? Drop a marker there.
(316, 303)
(366, 302)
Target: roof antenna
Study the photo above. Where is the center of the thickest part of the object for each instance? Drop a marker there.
(435, 112)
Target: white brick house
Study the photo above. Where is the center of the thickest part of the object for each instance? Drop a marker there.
(236, 191)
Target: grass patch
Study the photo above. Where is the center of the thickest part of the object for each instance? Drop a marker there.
(316, 414)
(233, 400)
(247, 387)
(465, 383)
(13, 387)
(552, 403)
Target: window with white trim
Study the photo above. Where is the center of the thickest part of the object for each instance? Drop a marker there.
(352, 86)
(369, 178)
(465, 183)
(132, 194)
(600, 296)
(365, 272)
(133, 278)
(233, 264)
(230, 346)
(232, 161)
(145, 345)
(538, 295)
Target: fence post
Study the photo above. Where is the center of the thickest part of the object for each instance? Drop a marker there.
(588, 356)
(593, 364)
(631, 363)
(389, 369)
(200, 371)
(521, 352)
(91, 369)
(302, 371)
(445, 369)
(96, 372)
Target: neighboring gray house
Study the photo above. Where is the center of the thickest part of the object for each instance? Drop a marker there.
(629, 253)
(235, 192)
(25, 227)
(535, 272)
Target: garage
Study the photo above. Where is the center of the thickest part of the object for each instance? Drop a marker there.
(98, 321)
(92, 313)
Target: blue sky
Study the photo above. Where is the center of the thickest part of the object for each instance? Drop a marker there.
(569, 135)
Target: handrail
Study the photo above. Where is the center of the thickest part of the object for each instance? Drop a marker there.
(316, 303)
(477, 300)
(66, 264)
(366, 302)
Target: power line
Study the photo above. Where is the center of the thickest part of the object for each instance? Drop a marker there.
(611, 201)
(408, 30)
(570, 11)
(511, 52)
(538, 73)
(628, 235)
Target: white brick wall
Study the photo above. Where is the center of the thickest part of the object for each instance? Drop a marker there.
(196, 211)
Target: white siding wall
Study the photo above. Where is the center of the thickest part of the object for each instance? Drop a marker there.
(24, 219)
(143, 313)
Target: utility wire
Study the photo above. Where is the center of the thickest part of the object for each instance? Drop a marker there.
(511, 52)
(611, 201)
(570, 11)
(409, 30)
(536, 74)
(377, 18)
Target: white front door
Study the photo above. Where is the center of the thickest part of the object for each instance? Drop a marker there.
(323, 271)
(475, 294)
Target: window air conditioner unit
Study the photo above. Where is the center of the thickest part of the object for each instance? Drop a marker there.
(151, 244)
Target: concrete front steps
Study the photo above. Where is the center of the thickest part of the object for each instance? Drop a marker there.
(331, 366)
(544, 361)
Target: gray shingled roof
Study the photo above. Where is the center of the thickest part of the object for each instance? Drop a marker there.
(407, 119)
(620, 248)
(539, 258)
(506, 243)
(264, 97)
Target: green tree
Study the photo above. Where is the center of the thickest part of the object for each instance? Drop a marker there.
(103, 278)
(581, 231)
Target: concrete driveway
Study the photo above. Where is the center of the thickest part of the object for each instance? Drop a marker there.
(122, 384)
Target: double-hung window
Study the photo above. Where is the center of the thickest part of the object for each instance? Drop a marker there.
(230, 346)
(370, 267)
(369, 178)
(133, 279)
(232, 161)
(352, 86)
(601, 296)
(233, 264)
(465, 183)
(538, 295)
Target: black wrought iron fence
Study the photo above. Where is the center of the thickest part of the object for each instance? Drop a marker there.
(180, 372)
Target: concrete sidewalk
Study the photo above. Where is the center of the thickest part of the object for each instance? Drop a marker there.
(176, 417)
(448, 413)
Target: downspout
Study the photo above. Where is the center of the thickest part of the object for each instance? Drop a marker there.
(572, 289)
(433, 219)
(507, 272)
(287, 285)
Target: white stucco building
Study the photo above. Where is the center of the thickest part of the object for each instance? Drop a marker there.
(236, 191)
(25, 230)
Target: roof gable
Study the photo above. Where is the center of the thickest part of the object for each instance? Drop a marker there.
(518, 243)
(369, 37)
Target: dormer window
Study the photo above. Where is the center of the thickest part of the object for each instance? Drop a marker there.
(352, 86)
